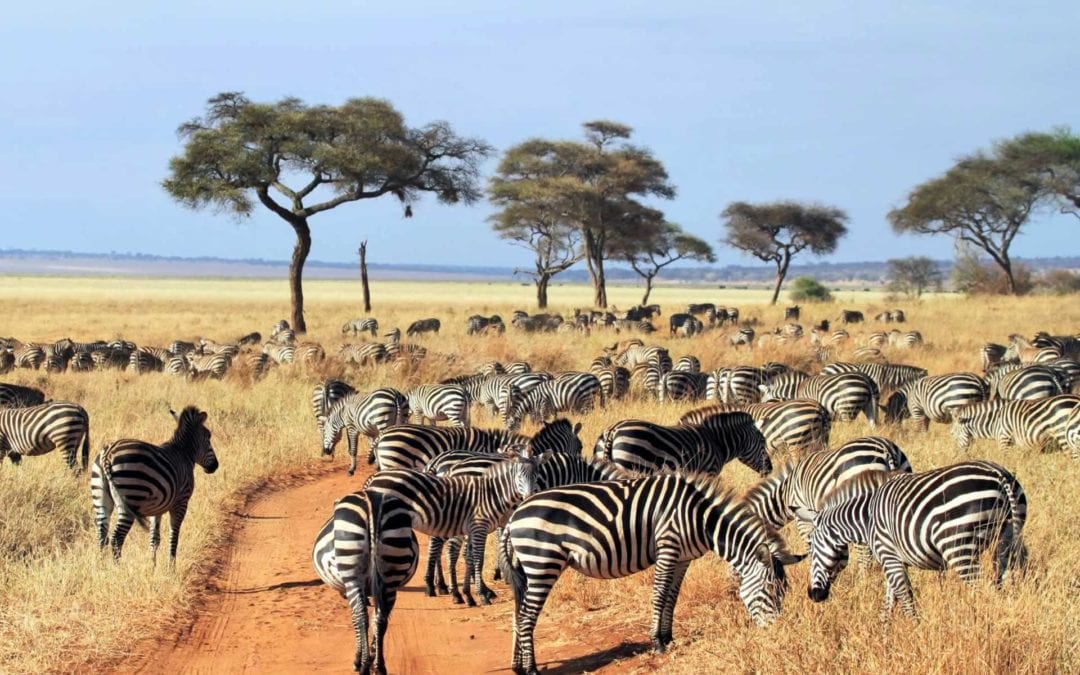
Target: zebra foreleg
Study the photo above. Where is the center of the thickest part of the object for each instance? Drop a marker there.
(898, 586)
(475, 562)
(668, 581)
(155, 538)
(176, 519)
(453, 552)
(354, 439)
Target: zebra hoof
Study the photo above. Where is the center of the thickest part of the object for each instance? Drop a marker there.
(458, 600)
(496, 575)
(350, 471)
(442, 589)
(469, 602)
(486, 598)
(430, 591)
(659, 647)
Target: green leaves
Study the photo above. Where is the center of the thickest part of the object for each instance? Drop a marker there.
(775, 231)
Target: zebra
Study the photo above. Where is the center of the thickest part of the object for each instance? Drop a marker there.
(614, 381)
(367, 548)
(1025, 424)
(361, 326)
(687, 324)
(908, 340)
(324, 396)
(250, 339)
(844, 395)
(575, 392)
(887, 376)
(257, 364)
(29, 355)
(937, 520)
(735, 385)
(144, 362)
(481, 325)
(411, 446)
(645, 378)
(209, 365)
(796, 490)
(439, 403)
(18, 396)
(1025, 383)
(1072, 433)
(1066, 345)
(897, 316)
(935, 398)
(517, 368)
(141, 480)
(280, 353)
(422, 326)
(181, 347)
(992, 354)
(667, 521)
(309, 353)
(366, 354)
(707, 445)
(706, 308)
(460, 505)
(883, 317)
(279, 328)
(681, 386)
(745, 336)
(826, 338)
(638, 353)
(368, 414)
(799, 425)
(7, 360)
(1068, 371)
(39, 429)
(688, 364)
(868, 355)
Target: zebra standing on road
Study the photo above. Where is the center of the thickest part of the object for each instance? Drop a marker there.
(439, 403)
(935, 398)
(367, 549)
(324, 396)
(141, 480)
(667, 521)
(357, 414)
(40, 429)
(937, 520)
(361, 326)
(708, 445)
(460, 505)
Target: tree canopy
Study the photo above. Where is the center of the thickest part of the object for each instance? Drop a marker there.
(656, 245)
(298, 160)
(913, 275)
(778, 231)
(1051, 159)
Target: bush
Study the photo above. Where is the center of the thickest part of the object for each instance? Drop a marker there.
(808, 289)
(974, 276)
(1061, 282)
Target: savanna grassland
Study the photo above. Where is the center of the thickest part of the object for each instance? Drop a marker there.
(64, 605)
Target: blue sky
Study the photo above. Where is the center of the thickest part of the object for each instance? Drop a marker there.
(851, 104)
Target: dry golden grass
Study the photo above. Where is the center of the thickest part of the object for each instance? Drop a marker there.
(60, 599)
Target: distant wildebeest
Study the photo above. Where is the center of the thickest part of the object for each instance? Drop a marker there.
(791, 313)
(249, 339)
(850, 316)
(422, 326)
(685, 324)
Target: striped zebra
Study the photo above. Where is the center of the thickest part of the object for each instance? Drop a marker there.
(937, 520)
(868, 355)
(667, 521)
(366, 414)
(257, 364)
(482, 325)
(177, 365)
(908, 340)
(844, 395)
(250, 339)
(367, 549)
(1066, 345)
(281, 353)
(411, 446)
(7, 360)
(637, 445)
(18, 396)
(460, 505)
(144, 362)
(324, 396)
(421, 326)
(574, 392)
(687, 364)
(309, 353)
(361, 326)
(1068, 371)
(796, 490)
(797, 426)
(745, 336)
(737, 385)
(935, 398)
(681, 386)
(213, 366)
(991, 354)
(439, 403)
(1025, 352)
(29, 355)
(1072, 433)
(141, 480)
(282, 328)
(1023, 424)
(1025, 383)
(825, 338)
(645, 379)
(887, 376)
(635, 354)
(614, 381)
(181, 347)
(366, 354)
(498, 393)
(39, 429)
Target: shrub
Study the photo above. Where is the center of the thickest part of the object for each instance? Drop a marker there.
(1061, 282)
(809, 289)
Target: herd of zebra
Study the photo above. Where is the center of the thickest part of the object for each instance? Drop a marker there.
(649, 495)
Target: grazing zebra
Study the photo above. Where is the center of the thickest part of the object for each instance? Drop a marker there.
(17, 396)
(422, 326)
(635, 354)
(645, 378)
(844, 395)
(909, 340)
(141, 480)
(208, 365)
(1025, 383)
(280, 352)
(1024, 424)
(887, 376)
(737, 385)
(517, 368)
(935, 398)
(411, 446)
(937, 520)
(181, 347)
(439, 403)
(309, 353)
(798, 426)
(257, 364)
(868, 355)
(685, 324)
(178, 365)
(366, 354)
(481, 325)
(367, 548)
(706, 308)
(497, 394)
(38, 429)
(614, 381)
(363, 414)
(745, 336)
(144, 362)
(29, 355)
(991, 354)
(323, 398)
(279, 328)
(574, 392)
(796, 490)
(688, 364)
(461, 505)
(877, 339)
(667, 521)
(681, 386)
(829, 338)
(707, 445)
(361, 326)
(898, 316)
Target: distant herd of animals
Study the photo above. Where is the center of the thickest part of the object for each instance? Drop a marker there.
(648, 496)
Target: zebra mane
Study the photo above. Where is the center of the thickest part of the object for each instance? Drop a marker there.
(862, 484)
(769, 482)
(189, 417)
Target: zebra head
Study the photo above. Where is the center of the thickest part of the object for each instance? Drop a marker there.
(768, 499)
(752, 453)
(961, 432)
(828, 555)
(843, 519)
(557, 436)
(521, 468)
(191, 432)
(763, 580)
(332, 425)
(896, 408)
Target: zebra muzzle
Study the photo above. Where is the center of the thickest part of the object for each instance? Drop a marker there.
(818, 594)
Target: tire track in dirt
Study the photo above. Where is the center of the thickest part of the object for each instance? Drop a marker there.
(266, 611)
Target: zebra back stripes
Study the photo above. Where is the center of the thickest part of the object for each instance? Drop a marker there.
(613, 529)
(575, 392)
(887, 376)
(935, 398)
(1025, 424)
(357, 414)
(439, 403)
(18, 396)
(1026, 382)
(798, 426)
(39, 429)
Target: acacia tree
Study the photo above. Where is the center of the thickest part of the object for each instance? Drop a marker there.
(298, 161)
(1050, 159)
(981, 200)
(541, 228)
(778, 231)
(657, 247)
(913, 275)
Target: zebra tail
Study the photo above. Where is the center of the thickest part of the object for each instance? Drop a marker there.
(378, 585)
(513, 572)
(118, 497)
(86, 449)
(1009, 485)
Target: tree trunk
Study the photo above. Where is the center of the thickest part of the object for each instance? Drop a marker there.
(296, 274)
(363, 277)
(541, 290)
(781, 272)
(648, 290)
(1006, 266)
(600, 286)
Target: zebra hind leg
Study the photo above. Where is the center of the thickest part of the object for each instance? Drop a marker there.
(666, 593)
(124, 520)
(384, 604)
(155, 538)
(453, 552)
(433, 577)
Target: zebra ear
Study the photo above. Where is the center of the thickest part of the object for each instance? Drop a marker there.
(577, 428)
(785, 558)
(173, 413)
(202, 417)
(805, 515)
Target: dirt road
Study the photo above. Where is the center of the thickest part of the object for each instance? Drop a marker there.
(268, 613)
